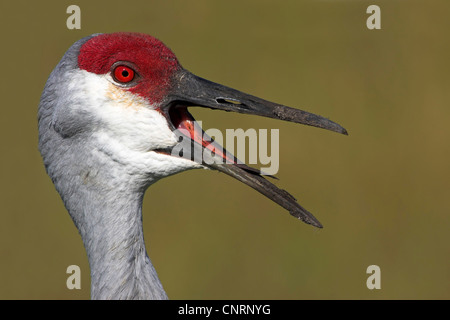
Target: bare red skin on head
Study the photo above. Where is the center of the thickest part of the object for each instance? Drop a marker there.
(155, 63)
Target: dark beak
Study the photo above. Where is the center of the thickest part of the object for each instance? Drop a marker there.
(190, 90)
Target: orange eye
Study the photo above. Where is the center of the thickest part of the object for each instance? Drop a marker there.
(123, 74)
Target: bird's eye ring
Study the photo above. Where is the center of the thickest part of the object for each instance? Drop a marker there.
(123, 74)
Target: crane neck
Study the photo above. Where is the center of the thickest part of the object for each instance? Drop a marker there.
(110, 224)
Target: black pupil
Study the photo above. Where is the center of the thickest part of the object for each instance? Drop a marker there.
(125, 73)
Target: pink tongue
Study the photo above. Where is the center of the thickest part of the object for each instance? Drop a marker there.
(183, 120)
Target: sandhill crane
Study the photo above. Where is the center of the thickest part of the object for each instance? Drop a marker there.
(109, 121)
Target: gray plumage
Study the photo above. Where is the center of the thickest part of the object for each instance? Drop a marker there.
(103, 196)
(106, 137)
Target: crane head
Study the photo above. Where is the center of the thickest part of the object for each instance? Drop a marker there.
(125, 96)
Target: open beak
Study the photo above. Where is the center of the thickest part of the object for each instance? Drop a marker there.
(189, 90)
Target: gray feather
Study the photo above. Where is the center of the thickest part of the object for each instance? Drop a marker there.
(105, 205)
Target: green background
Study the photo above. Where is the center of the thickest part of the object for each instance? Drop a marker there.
(382, 193)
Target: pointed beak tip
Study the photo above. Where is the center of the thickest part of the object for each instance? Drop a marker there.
(336, 128)
(315, 223)
(306, 217)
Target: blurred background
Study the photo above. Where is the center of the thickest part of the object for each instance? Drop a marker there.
(382, 193)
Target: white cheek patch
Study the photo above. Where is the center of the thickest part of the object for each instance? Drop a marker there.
(124, 98)
(123, 116)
